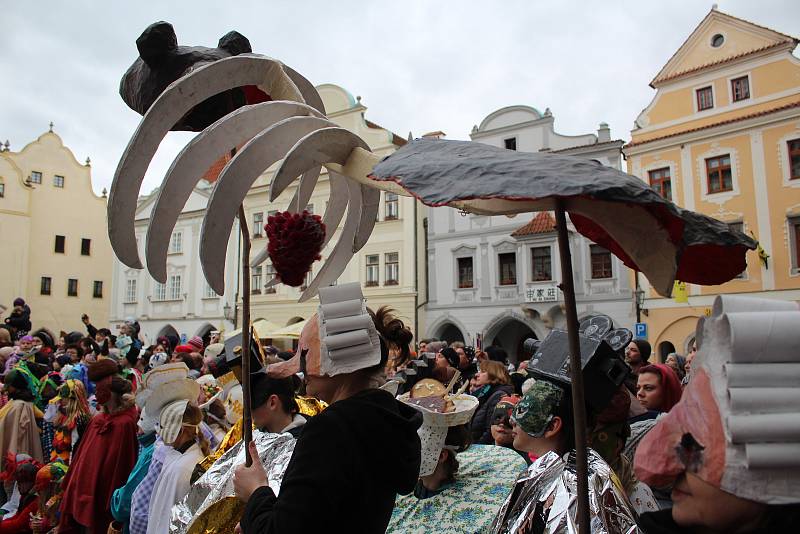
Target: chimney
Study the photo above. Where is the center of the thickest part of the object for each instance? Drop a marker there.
(603, 133)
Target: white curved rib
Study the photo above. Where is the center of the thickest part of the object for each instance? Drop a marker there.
(369, 213)
(235, 181)
(194, 160)
(337, 262)
(337, 204)
(307, 89)
(177, 100)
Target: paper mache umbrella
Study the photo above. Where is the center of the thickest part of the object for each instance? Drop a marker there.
(267, 113)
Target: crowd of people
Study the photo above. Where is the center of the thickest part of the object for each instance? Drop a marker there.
(101, 433)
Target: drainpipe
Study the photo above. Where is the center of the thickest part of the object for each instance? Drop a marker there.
(416, 274)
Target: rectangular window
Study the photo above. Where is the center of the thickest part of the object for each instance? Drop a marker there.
(255, 281)
(373, 264)
(601, 262)
(705, 98)
(209, 293)
(465, 276)
(58, 181)
(511, 143)
(160, 291)
(175, 287)
(2, 190)
(794, 231)
(271, 213)
(392, 262)
(97, 291)
(508, 268)
(661, 181)
(44, 288)
(86, 247)
(258, 224)
(36, 177)
(310, 209)
(740, 88)
(72, 287)
(541, 264)
(392, 205)
(794, 158)
(176, 243)
(718, 173)
(270, 270)
(130, 290)
(60, 244)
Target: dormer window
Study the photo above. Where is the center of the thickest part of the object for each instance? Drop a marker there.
(705, 98)
(510, 143)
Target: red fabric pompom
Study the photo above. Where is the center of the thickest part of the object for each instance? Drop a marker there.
(295, 242)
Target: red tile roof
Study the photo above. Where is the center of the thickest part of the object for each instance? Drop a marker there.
(396, 139)
(720, 123)
(213, 172)
(543, 223)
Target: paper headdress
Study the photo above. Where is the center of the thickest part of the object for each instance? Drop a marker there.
(737, 425)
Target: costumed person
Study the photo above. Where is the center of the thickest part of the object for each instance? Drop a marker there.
(140, 499)
(729, 448)
(213, 408)
(48, 490)
(70, 416)
(342, 355)
(48, 390)
(21, 470)
(274, 407)
(502, 431)
(106, 455)
(19, 433)
(178, 427)
(461, 486)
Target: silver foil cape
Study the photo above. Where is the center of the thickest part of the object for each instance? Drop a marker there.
(551, 479)
(274, 450)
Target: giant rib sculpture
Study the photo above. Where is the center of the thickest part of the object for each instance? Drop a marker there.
(273, 114)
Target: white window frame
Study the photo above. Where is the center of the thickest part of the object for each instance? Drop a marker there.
(372, 268)
(58, 181)
(590, 270)
(270, 273)
(36, 177)
(390, 214)
(714, 100)
(208, 292)
(256, 285)
(702, 172)
(130, 290)
(175, 283)
(176, 243)
(530, 260)
(258, 226)
(389, 279)
(159, 292)
(673, 174)
(783, 160)
(310, 208)
(750, 98)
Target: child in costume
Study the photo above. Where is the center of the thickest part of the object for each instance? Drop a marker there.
(21, 470)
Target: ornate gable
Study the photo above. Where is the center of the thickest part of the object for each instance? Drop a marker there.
(718, 39)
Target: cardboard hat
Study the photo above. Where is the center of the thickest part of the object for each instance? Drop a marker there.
(203, 382)
(234, 404)
(157, 377)
(169, 392)
(341, 338)
(433, 432)
(170, 420)
(737, 425)
(147, 422)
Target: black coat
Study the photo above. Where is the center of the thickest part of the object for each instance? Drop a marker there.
(481, 425)
(349, 464)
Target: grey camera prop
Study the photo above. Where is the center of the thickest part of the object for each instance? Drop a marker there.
(603, 367)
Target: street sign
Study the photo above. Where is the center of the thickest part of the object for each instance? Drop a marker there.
(541, 293)
(640, 331)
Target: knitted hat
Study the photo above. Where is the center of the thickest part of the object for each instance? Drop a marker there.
(184, 349)
(196, 343)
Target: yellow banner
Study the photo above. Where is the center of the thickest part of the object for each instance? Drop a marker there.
(679, 292)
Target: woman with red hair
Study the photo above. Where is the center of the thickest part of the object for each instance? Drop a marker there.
(658, 387)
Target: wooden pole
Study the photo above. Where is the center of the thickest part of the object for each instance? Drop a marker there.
(247, 428)
(576, 374)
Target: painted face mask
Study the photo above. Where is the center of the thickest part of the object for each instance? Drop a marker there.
(535, 410)
(503, 411)
(735, 426)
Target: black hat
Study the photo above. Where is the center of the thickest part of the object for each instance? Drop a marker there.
(263, 386)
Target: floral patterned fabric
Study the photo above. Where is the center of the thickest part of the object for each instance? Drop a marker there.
(486, 475)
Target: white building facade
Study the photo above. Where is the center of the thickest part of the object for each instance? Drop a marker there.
(185, 306)
(498, 277)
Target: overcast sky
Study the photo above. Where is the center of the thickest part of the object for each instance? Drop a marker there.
(419, 66)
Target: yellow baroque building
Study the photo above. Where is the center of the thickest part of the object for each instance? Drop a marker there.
(53, 237)
(389, 267)
(722, 137)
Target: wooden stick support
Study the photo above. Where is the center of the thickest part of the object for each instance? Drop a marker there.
(576, 370)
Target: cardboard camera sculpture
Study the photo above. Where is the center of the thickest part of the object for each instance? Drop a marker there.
(603, 367)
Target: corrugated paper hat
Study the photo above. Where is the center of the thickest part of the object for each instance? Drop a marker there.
(737, 425)
(433, 432)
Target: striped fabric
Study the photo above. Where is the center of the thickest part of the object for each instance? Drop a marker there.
(170, 420)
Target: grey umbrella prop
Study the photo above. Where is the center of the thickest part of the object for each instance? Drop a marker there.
(238, 99)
